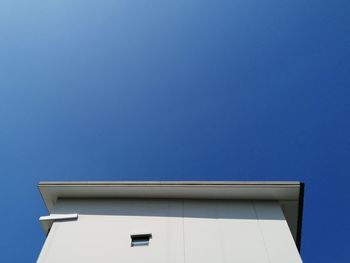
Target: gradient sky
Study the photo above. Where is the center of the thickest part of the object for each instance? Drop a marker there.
(175, 90)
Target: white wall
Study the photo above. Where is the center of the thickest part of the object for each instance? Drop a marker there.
(185, 231)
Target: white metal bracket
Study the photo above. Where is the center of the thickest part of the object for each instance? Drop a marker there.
(47, 221)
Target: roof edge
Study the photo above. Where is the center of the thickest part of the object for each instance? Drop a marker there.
(160, 183)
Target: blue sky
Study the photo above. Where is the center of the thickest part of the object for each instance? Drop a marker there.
(175, 90)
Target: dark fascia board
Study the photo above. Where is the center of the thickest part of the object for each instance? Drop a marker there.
(300, 215)
(280, 191)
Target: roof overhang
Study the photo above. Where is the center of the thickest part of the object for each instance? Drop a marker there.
(288, 194)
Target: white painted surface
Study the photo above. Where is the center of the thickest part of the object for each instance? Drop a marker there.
(277, 237)
(222, 232)
(183, 231)
(102, 233)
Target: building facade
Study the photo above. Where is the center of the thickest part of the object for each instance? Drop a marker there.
(172, 222)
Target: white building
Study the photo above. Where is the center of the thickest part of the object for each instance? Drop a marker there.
(172, 222)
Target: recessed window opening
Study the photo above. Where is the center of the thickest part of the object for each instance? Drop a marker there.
(140, 240)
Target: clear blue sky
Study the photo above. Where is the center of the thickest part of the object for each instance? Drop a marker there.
(175, 90)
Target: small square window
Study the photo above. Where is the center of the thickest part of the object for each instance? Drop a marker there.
(140, 240)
